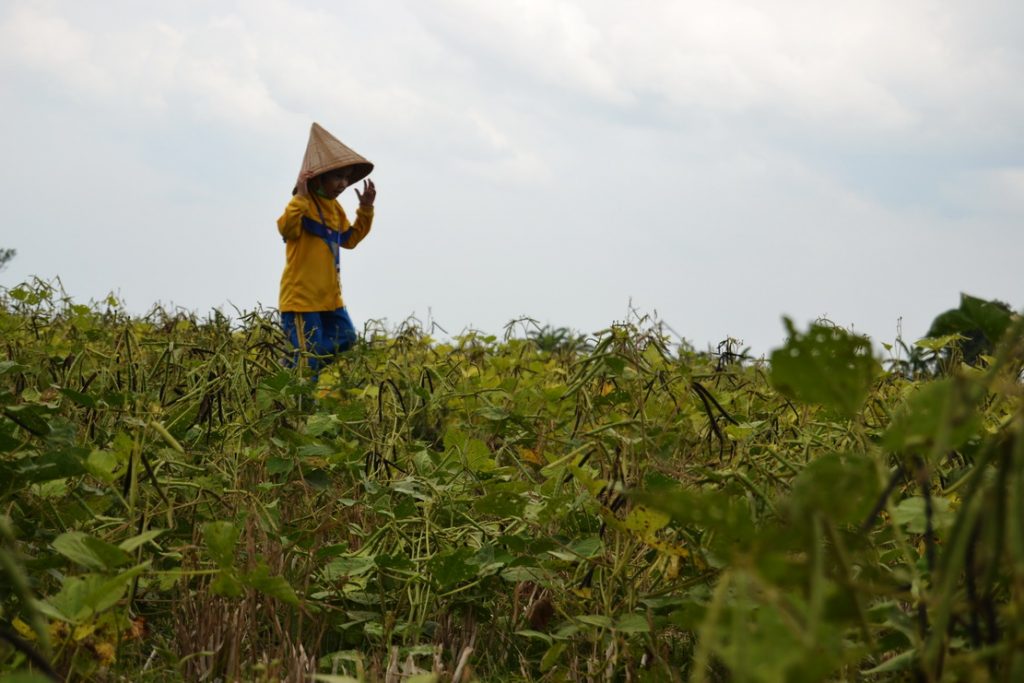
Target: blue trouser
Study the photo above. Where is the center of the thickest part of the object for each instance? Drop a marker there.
(326, 334)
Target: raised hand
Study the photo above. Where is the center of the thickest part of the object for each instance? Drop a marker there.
(302, 185)
(368, 194)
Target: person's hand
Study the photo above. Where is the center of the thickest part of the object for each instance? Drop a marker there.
(368, 194)
(302, 185)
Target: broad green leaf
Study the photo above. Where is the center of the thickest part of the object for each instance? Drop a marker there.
(599, 620)
(53, 465)
(221, 538)
(227, 584)
(396, 562)
(938, 343)
(519, 574)
(317, 478)
(500, 504)
(130, 544)
(941, 413)
(320, 424)
(991, 318)
(348, 566)
(452, 567)
(644, 521)
(912, 513)
(980, 324)
(478, 456)
(900, 662)
(30, 416)
(24, 677)
(84, 400)
(743, 430)
(550, 658)
(103, 465)
(8, 442)
(81, 597)
(827, 365)
(274, 586)
(412, 486)
(759, 636)
(587, 547)
(279, 465)
(10, 366)
(616, 364)
(727, 516)
(633, 623)
(315, 450)
(90, 552)
(842, 486)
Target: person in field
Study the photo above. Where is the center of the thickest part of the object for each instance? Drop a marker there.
(315, 228)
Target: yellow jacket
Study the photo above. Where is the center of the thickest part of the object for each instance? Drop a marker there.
(310, 281)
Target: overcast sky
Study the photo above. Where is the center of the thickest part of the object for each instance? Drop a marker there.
(721, 163)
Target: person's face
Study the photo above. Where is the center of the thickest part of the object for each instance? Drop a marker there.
(333, 183)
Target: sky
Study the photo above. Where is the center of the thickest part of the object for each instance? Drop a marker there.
(716, 164)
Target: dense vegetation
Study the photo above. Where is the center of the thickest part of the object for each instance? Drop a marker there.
(174, 505)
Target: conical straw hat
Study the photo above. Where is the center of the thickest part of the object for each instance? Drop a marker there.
(324, 152)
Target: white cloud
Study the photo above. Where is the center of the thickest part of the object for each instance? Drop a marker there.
(854, 67)
(722, 162)
(989, 191)
(45, 42)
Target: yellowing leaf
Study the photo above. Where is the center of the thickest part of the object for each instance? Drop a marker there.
(105, 652)
(531, 456)
(644, 522)
(84, 631)
(23, 629)
(672, 571)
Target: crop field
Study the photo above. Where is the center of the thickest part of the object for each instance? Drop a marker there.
(176, 504)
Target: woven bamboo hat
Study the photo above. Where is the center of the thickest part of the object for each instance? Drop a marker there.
(324, 153)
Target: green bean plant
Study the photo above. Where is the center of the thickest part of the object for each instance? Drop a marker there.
(178, 504)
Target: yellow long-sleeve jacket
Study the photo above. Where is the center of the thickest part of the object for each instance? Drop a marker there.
(311, 280)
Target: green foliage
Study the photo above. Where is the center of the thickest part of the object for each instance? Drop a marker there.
(827, 365)
(176, 506)
(980, 324)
